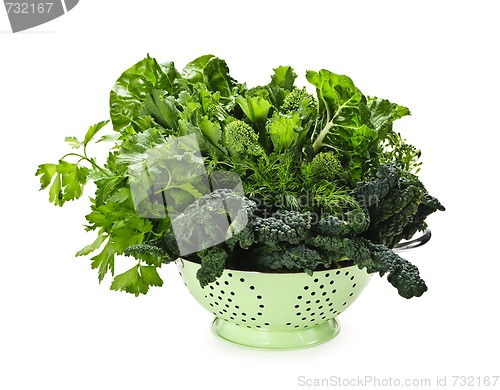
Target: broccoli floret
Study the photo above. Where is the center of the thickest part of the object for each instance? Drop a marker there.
(298, 100)
(327, 166)
(241, 140)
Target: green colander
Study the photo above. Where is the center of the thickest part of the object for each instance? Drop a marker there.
(276, 310)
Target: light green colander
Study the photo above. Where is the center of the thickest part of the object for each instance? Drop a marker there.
(276, 310)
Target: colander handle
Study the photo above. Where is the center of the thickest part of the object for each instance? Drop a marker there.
(423, 239)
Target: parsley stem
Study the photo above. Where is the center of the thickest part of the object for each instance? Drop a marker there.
(86, 159)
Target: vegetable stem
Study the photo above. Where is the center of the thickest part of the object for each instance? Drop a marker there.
(318, 142)
(86, 159)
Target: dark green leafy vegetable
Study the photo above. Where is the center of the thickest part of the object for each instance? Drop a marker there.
(322, 180)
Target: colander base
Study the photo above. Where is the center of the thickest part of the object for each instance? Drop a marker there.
(275, 340)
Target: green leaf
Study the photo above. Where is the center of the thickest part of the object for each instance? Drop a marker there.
(105, 261)
(281, 84)
(130, 281)
(47, 172)
(383, 113)
(73, 142)
(211, 71)
(73, 179)
(92, 247)
(91, 132)
(284, 77)
(256, 108)
(212, 132)
(55, 195)
(285, 132)
(109, 138)
(135, 85)
(150, 276)
(162, 109)
(137, 283)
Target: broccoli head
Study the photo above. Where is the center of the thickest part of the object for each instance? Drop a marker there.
(298, 100)
(241, 140)
(327, 166)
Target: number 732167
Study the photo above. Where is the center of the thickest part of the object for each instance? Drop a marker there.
(25, 8)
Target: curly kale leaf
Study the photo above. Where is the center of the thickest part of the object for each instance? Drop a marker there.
(213, 261)
(283, 226)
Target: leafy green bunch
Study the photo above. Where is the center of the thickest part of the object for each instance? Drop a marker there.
(326, 181)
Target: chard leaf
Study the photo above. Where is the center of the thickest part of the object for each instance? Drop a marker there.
(212, 72)
(383, 113)
(135, 85)
(162, 109)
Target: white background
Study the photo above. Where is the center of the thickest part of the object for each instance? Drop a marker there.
(60, 329)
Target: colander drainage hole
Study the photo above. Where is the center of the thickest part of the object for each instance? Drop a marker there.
(242, 280)
(252, 287)
(308, 302)
(288, 324)
(297, 306)
(306, 287)
(261, 306)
